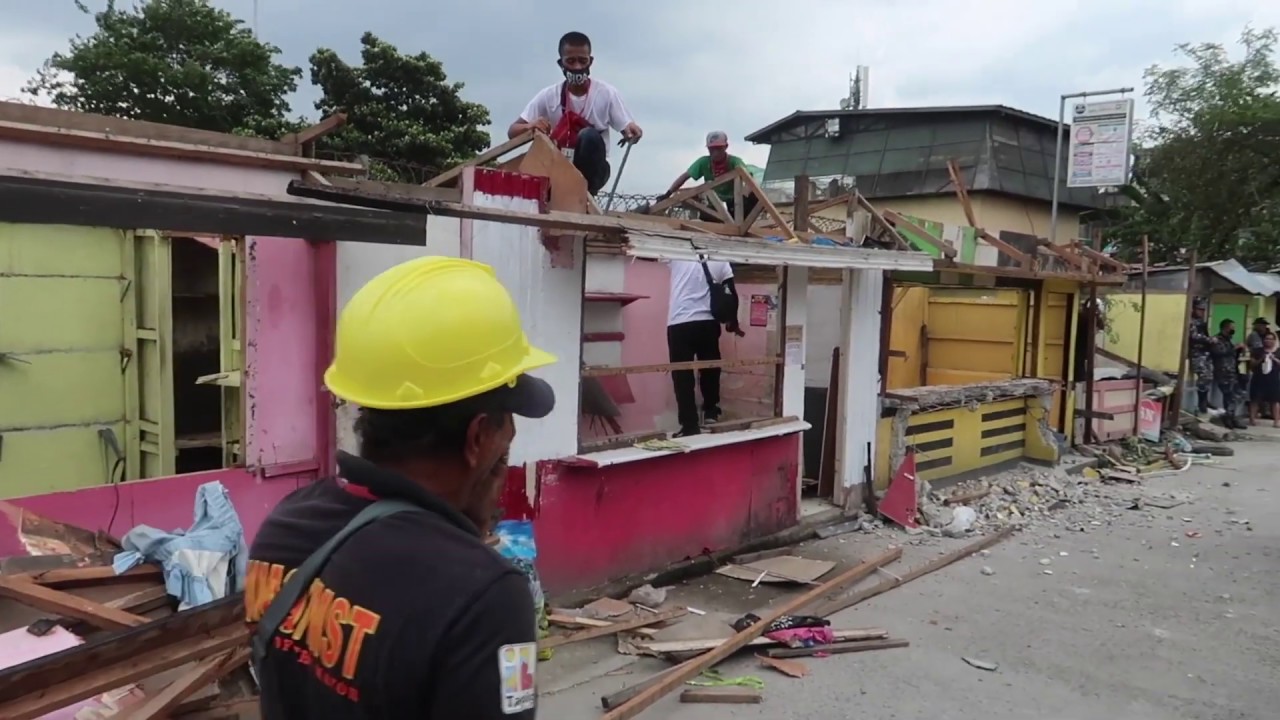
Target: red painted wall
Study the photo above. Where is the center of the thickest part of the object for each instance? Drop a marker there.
(598, 524)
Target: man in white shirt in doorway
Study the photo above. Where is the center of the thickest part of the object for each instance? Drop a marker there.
(693, 333)
(578, 113)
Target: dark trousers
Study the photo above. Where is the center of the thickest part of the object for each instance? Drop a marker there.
(694, 340)
(749, 202)
(591, 159)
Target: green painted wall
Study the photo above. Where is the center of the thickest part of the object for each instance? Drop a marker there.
(61, 376)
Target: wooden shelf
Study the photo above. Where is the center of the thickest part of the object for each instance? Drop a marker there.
(623, 299)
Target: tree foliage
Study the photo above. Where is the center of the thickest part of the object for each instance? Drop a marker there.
(182, 62)
(399, 107)
(1208, 176)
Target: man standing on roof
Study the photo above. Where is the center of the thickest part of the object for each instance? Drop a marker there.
(578, 113)
(374, 594)
(716, 163)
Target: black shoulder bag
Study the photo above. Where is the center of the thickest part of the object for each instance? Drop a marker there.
(724, 302)
(272, 702)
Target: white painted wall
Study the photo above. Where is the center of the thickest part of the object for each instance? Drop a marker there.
(358, 263)
(859, 380)
(823, 333)
(550, 302)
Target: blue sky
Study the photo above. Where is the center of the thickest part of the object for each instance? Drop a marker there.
(687, 68)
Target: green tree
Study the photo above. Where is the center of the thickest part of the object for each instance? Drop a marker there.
(182, 62)
(400, 108)
(1208, 173)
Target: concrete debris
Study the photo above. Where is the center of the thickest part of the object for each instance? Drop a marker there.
(648, 595)
(986, 570)
(981, 664)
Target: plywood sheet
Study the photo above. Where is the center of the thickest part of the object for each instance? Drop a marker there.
(785, 569)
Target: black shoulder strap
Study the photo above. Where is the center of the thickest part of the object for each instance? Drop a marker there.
(706, 272)
(298, 583)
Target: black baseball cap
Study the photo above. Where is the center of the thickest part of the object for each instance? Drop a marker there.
(528, 396)
(1261, 321)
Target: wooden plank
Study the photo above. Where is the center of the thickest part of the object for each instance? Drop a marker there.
(1061, 251)
(317, 131)
(568, 188)
(601, 370)
(61, 603)
(899, 240)
(671, 647)
(769, 207)
(682, 196)
(800, 210)
(158, 706)
(835, 605)
(104, 142)
(95, 575)
(837, 648)
(187, 627)
(50, 201)
(723, 695)
(689, 669)
(962, 193)
(1014, 253)
(492, 153)
(434, 194)
(34, 701)
(1100, 257)
(16, 112)
(612, 628)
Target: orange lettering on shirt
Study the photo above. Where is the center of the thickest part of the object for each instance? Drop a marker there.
(363, 622)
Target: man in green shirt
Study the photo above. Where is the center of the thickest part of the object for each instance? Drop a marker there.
(714, 164)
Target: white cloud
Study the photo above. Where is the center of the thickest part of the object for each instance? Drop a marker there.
(687, 68)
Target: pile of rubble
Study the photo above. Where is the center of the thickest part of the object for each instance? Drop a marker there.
(1023, 496)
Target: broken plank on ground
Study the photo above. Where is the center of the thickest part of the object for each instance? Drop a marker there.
(837, 648)
(611, 629)
(726, 695)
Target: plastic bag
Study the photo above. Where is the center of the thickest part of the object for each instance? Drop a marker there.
(516, 544)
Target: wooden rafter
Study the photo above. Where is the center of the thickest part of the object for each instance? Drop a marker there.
(962, 194)
(937, 243)
(315, 132)
(492, 153)
(1061, 251)
(682, 196)
(1099, 257)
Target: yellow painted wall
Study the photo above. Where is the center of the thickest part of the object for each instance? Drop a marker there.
(956, 440)
(994, 213)
(909, 306)
(974, 335)
(1162, 346)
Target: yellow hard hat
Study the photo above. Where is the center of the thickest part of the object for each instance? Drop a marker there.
(432, 331)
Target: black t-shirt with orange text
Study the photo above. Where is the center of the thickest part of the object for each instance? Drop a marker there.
(412, 617)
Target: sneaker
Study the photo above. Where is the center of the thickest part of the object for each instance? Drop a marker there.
(687, 432)
(710, 417)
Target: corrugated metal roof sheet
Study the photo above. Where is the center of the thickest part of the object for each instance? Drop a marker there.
(1254, 283)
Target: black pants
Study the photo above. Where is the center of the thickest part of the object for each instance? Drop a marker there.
(694, 340)
(749, 202)
(591, 159)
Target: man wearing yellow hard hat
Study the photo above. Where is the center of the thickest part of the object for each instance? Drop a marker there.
(374, 594)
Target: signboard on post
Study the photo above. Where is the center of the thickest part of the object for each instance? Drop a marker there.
(1101, 135)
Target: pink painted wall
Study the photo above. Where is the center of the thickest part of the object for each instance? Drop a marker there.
(283, 344)
(644, 323)
(166, 503)
(597, 524)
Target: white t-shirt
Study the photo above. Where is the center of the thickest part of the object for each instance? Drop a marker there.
(690, 296)
(602, 106)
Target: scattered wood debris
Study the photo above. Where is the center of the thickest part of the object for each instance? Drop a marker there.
(726, 695)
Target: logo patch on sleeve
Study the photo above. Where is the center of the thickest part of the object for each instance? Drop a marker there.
(517, 670)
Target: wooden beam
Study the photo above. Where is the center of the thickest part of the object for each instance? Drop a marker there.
(104, 142)
(1100, 257)
(420, 192)
(680, 196)
(35, 701)
(1061, 251)
(800, 210)
(1014, 253)
(317, 131)
(159, 706)
(1022, 273)
(642, 620)
(42, 201)
(937, 243)
(73, 606)
(16, 112)
(186, 629)
(962, 193)
(769, 207)
(68, 577)
(492, 153)
(601, 370)
(880, 219)
(691, 668)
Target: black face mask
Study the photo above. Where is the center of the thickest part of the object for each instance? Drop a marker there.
(1229, 333)
(575, 77)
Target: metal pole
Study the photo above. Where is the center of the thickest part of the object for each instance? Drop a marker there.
(1057, 151)
(1142, 335)
(1176, 410)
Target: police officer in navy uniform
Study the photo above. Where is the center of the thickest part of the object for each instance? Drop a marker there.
(1199, 353)
(374, 594)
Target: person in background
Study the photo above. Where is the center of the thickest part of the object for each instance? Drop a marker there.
(578, 113)
(1226, 370)
(1264, 383)
(365, 555)
(1254, 341)
(1199, 352)
(693, 333)
(711, 166)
